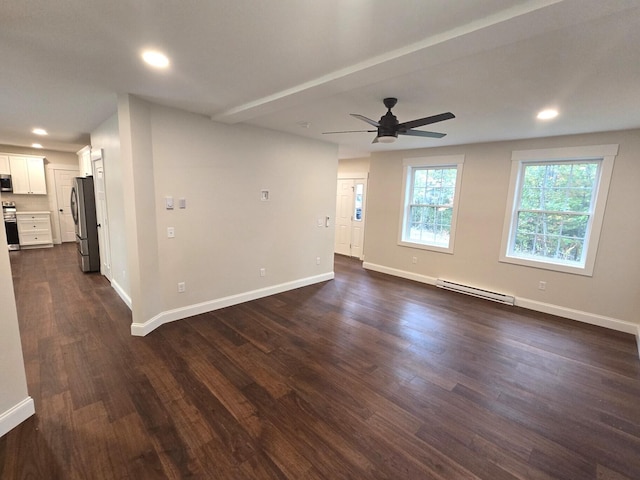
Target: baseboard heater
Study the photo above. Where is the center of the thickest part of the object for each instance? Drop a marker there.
(475, 292)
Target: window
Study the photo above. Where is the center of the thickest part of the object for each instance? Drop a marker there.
(556, 206)
(429, 202)
(357, 202)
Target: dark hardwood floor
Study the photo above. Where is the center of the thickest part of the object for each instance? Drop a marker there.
(364, 377)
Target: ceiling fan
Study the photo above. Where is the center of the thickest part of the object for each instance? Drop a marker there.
(388, 128)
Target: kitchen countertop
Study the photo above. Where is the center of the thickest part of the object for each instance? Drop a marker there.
(33, 212)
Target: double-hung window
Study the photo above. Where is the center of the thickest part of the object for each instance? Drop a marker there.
(429, 203)
(556, 207)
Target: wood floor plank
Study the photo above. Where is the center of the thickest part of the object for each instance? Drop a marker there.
(160, 427)
(136, 449)
(232, 433)
(439, 464)
(313, 437)
(363, 377)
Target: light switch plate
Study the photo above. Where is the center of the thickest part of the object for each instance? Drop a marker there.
(169, 203)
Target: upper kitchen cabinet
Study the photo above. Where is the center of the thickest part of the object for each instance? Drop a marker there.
(84, 158)
(27, 175)
(4, 165)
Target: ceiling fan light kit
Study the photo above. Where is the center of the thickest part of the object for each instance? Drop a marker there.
(388, 128)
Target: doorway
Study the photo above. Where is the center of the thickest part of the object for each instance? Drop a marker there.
(350, 217)
(101, 213)
(63, 180)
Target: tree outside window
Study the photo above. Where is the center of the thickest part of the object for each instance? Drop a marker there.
(555, 210)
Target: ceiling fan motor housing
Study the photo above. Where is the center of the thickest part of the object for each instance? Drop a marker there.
(388, 125)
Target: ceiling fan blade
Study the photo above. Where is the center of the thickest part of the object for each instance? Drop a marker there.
(365, 119)
(352, 131)
(420, 133)
(420, 122)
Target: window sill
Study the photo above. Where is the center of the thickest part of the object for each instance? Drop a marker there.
(422, 246)
(557, 267)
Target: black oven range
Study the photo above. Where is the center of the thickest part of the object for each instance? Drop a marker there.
(11, 224)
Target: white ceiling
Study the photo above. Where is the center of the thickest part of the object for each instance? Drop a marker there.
(281, 63)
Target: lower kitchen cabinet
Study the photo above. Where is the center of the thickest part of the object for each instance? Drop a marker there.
(34, 229)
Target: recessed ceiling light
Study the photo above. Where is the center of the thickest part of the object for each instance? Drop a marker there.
(40, 131)
(36, 145)
(155, 59)
(547, 114)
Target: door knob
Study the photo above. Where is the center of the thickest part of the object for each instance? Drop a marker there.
(61, 210)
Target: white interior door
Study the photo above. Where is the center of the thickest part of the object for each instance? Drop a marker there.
(350, 213)
(64, 182)
(357, 217)
(344, 202)
(102, 217)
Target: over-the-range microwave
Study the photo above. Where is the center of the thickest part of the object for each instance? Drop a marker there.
(5, 183)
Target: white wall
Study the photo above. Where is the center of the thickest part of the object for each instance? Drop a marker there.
(353, 166)
(610, 298)
(15, 403)
(226, 234)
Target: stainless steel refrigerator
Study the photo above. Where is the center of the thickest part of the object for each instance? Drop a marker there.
(83, 210)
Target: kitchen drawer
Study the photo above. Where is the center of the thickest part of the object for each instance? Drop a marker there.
(35, 238)
(29, 217)
(26, 226)
(34, 230)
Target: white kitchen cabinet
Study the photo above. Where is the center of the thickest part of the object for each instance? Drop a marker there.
(4, 165)
(84, 159)
(27, 175)
(34, 229)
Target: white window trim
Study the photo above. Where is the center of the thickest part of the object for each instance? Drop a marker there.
(593, 152)
(431, 162)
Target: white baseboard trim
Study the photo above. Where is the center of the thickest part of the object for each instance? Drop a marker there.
(121, 293)
(16, 415)
(581, 316)
(142, 329)
(399, 273)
